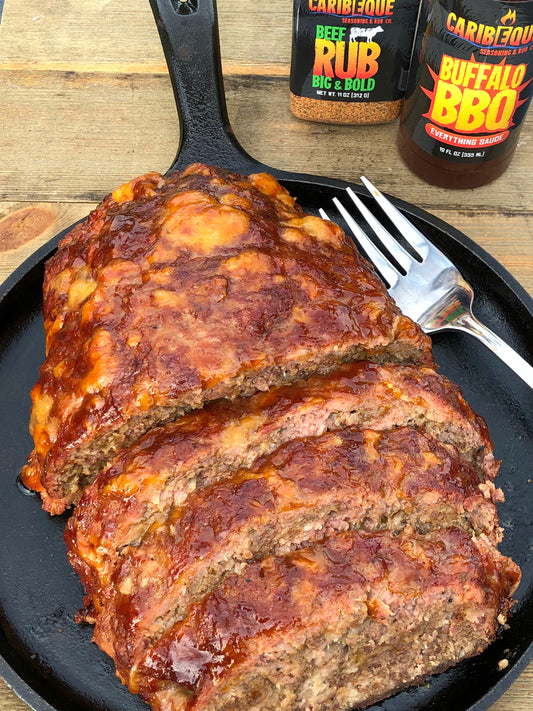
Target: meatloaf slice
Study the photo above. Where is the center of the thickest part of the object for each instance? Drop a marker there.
(348, 479)
(337, 626)
(182, 289)
(157, 473)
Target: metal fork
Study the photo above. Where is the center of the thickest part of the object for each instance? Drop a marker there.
(428, 288)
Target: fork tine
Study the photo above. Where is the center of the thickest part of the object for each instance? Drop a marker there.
(403, 258)
(413, 236)
(382, 265)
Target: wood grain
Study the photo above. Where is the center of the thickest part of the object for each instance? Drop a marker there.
(137, 130)
(86, 104)
(26, 226)
(114, 34)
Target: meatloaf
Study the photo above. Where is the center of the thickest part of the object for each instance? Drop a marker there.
(336, 626)
(182, 289)
(280, 505)
(343, 480)
(158, 472)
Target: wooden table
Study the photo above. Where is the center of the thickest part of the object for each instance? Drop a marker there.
(86, 104)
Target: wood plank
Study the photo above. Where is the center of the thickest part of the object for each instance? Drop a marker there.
(102, 129)
(117, 32)
(514, 252)
(24, 227)
(520, 696)
(9, 701)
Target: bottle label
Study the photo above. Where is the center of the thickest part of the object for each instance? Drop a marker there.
(471, 87)
(352, 50)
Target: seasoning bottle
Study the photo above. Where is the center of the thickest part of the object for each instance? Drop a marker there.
(468, 90)
(350, 59)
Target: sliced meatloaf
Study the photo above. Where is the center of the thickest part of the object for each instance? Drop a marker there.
(351, 479)
(279, 504)
(182, 289)
(158, 472)
(336, 626)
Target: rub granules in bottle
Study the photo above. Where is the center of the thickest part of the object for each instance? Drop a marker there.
(468, 91)
(350, 59)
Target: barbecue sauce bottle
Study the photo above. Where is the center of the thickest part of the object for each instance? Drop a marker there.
(469, 87)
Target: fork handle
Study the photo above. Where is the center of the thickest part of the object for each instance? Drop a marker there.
(469, 323)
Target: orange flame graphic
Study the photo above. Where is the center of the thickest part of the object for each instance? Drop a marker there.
(509, 17)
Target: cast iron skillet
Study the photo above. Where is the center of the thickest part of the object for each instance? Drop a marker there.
(45, 656)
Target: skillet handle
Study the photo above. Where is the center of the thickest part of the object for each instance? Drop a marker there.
(189, 34)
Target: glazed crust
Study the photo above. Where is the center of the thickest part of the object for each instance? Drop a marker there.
(405, 599)
(181, 289)
(280, 505)
(146, 481)
(348, 479)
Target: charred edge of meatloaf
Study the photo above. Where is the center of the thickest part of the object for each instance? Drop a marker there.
(66, 486)
(337, 626)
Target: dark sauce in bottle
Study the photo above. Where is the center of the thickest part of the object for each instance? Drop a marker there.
(470, 84)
